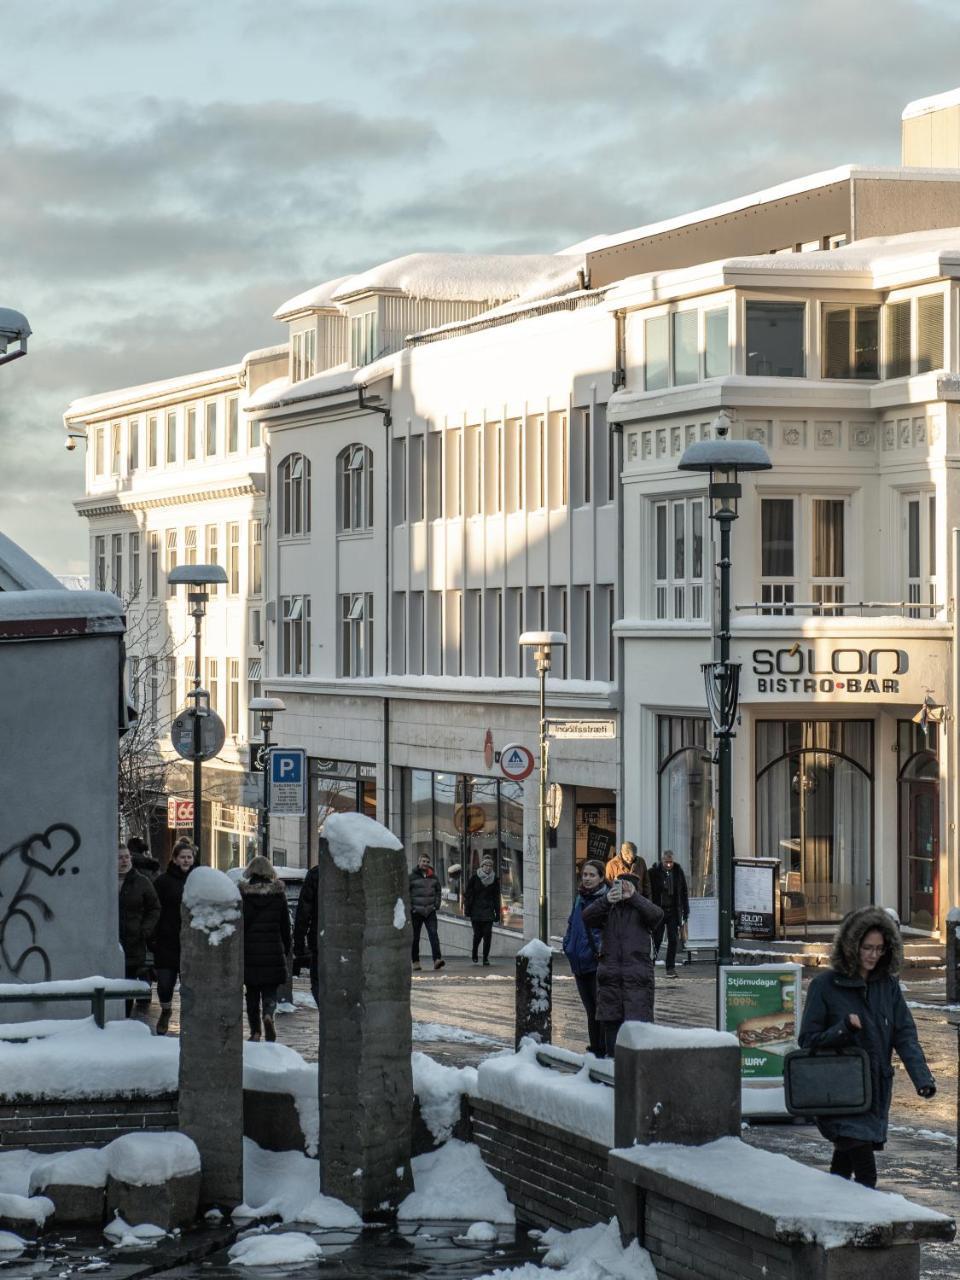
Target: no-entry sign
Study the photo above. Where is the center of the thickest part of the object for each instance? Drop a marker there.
(516, 762)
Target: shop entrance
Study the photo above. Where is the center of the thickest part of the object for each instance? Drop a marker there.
(595, 825)
(919, 787)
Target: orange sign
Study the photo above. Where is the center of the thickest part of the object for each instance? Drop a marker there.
(179, 813)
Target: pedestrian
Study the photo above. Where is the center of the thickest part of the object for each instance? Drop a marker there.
(858, 1002)
(139, 911)
(626, 918)
(305, 929)
(266, 941)
(482, 906)
(424, 902)
(627, 861)
(142, 859)
(581, 946)
(668, 890)
(166, 938)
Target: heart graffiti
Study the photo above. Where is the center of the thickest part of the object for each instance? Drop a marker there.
(42, 856)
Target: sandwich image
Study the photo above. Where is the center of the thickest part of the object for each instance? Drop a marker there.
(768, 1029)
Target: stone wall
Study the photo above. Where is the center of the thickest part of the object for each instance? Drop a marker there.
(552, 1177)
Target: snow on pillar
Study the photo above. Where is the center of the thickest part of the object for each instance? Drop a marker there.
(365, 1077)
(534, 993)
(211, 1031)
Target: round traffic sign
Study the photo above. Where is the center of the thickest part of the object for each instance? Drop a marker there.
(212, 735)
(516, 762)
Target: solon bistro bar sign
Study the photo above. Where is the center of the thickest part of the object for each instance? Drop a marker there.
(837, 670)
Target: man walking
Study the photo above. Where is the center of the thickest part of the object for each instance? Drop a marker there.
(139, 913)
(628, 862)
(424, 902)
(305, 930)
(668, 889)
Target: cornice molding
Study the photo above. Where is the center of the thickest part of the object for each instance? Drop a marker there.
(113, 504)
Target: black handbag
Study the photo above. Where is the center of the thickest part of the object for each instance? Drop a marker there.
(827, 1082)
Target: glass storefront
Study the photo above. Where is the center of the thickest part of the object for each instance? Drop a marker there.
(455, 818)
(339, 786)
(685, 814)
(814, 809)
(918, 774)
(234, 831)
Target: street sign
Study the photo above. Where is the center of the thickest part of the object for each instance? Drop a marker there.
(516, 762)
(212, 735)
(179, 813)
(567, 729)
(288, 782)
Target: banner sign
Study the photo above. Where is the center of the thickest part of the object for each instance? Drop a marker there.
(755, 897)
(760, 1005)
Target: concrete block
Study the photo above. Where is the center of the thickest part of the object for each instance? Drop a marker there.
(169, 1204)
(75, 1204)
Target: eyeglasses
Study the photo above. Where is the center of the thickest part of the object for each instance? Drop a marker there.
(873, 951)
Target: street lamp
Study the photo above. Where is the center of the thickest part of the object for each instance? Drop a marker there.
(197, 577)
(267, 707)
(542, 643)
(723, 459)
(14, 329)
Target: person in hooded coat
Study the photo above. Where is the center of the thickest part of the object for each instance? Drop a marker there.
(626, 920)
(266, 941)
(581, 946)
(858, 1002)
(165, 942)
(481, 906)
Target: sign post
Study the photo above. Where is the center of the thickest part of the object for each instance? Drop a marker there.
(288, 782)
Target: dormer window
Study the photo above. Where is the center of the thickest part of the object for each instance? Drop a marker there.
(303, 355)
(363, 338)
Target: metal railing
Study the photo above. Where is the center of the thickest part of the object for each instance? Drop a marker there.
(840, 609)
(570, 1063)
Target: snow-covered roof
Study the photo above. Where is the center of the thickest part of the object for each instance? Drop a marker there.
(936, 102)
(319, 298)
(124, 398)
(58, 612)
(267, 353)
(281, 391)
(20, 572)
(457, 277)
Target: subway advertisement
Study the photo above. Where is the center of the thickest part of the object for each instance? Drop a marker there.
(760, 1005)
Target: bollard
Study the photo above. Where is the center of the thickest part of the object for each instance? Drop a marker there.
(365, 1078)
(534, 993)
(211, 1031)
(953, 955)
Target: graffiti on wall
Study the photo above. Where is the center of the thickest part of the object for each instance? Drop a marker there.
(28, 870)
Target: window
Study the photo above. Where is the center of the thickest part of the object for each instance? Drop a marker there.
(452, 656)
(716, 342)
(581, 640)
(254, 690)
(415, 480)
(896, 328)
(171, 689)
(233, 696)
(171, 451)
(133, 445)
(582, 446)
(535, 465)
(153, 551)
(656, 346)
(233, 558)
(930, 332)
(256, 433)
(191, 440)
(171, 560)
(606, 641)
(210, 437)
(233, 425)
(559, 621)
(295, 636)
(115, 436)
(398, 633)
(415, 635)
(685, 801)
(98, 451)
(213, 682)
(363, 338)
(100, 563)
(153, 690)
(355, 489)
(557, 477)
(471, 663)
(134, 566)
(851, 342)
(213, 553)
(116, 565)
(190, 546)
(686, 355)
(434, 633)
(493, 633)
(293, 483)
(493, 468)
(398, 480)
(828, 548)
(255, 567)
(153, 440)
(472, 471)
(255, 629)
(356, 634)
(920, 521)
(809, 570)
(303, 355)
(775, 339)
(673, 343)
(453, 473)
(512, 627)
(777, 568)
(678, 571)
(434, 478)
(913, 335)
(514, 465)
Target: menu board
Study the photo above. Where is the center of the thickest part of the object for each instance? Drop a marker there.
(755, 897)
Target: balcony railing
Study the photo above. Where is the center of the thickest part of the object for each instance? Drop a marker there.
(846, 609)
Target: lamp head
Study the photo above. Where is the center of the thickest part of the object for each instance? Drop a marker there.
(267, 708)
(722, 459)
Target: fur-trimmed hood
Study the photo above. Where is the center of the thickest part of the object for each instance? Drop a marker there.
(258, 885)
(845, 956)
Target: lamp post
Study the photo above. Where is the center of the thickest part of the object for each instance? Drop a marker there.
(197, 578)
(267, 707)
(723, 459)
(542, 643)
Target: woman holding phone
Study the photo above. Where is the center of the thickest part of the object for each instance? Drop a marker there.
(626, 920)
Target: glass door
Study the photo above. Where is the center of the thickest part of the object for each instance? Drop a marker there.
(919, 782)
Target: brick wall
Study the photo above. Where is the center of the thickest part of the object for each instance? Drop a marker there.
(552, 1177)
(686, 1244)
(63, 1126)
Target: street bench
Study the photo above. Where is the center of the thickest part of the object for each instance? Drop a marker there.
(96, 991)
(727, 1209)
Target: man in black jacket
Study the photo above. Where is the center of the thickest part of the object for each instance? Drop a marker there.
(305, 929)
(424, 902)
(668, 889)
(139, 913)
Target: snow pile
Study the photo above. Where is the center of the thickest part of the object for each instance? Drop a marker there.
(281, 1250)
(572, 1102)
(481, 1232)
(810, 1204)
(86, 1167)
(147, 1159)
(286, 1184)
(26, 1208)
(276, 1068)
(647, 1035)
(10, 1245)
(143, 1236)
(213, 901)
(454, 1183)
(539, 959)
(348, 835)
(439, 1090)
(592, 1253)
(431, 1031)
(15, 1169)
(78, 1060)
(399, 914)
(83, 987)
(458, 277)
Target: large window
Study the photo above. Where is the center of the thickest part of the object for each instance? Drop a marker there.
(775, 339)
(356, 634)
(851, 342)
(683, 347)
(295, 635)
(814, 809)
(798, 570)
(913, 339)
(354, 489)
(363, 339)
(685, 819)
(455, 819)
(293, 485)
(678, 564)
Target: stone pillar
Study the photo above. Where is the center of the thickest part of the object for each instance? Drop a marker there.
(211, 1031)
(534, 993)
(953, 955)
(364, 1068)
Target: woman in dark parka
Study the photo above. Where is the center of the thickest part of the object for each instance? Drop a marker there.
(266, 942)
(858, 1002)
(166, 939)
(582, 947)
(482, 906)
(625, 972)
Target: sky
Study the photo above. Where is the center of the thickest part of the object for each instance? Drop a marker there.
(170, 173)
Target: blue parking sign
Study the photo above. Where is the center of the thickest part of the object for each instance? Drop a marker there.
(288, 781)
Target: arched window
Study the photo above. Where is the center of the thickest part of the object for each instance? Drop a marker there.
(354, 488)
(293, 492)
